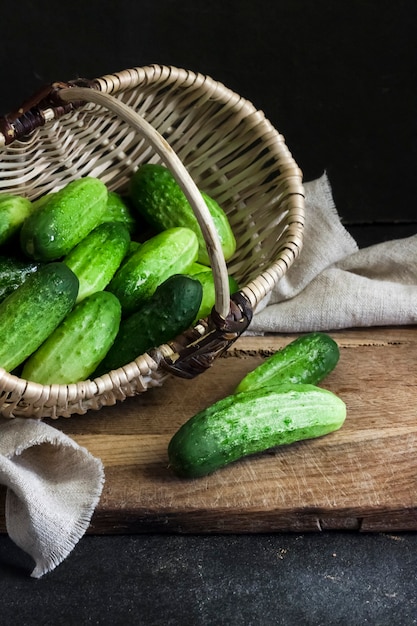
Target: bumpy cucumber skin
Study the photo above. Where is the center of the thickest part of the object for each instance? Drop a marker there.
(118, 211)
(251, 422)
(14, 210)
(170, 252)
(157, 196)
(32, 312)
(59, 224)
(97, 257)
(307, 359)
(169, 312)
(209, 292)
(13, 273)
(36, 204)
(75, 348)
(198, 268)
(133, 247)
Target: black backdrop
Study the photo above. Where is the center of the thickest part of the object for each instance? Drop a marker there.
(336, 77)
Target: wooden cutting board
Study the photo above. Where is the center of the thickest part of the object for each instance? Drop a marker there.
(362, 477)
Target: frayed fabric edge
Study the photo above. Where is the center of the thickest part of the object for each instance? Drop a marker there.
(56, 557)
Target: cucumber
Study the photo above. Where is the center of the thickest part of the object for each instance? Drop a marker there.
(60, 223)
(197, 268)
(307, 359)
(170, 252)
(133, 247)
(209, 292)
(41, 200)
(32, 312)
(169, 312)
(117, 210)
(97, 257)
(251, 422)
(156, 195)
(13, 212)
(13, 273)
(75, 348)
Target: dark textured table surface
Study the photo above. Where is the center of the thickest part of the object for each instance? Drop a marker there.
(317, 579)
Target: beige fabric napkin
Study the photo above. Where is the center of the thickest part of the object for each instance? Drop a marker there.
(53, 486)
(334, 285)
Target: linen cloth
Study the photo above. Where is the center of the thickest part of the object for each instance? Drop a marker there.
(53, 484)
(334, 284)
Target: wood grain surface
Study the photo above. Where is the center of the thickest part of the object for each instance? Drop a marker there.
(362, 477)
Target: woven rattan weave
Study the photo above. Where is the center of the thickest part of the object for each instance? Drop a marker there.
(212, 139)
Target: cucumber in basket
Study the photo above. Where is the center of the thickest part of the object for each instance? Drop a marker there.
(98, 256)
(117, 210)
(13, 273)
(167, 253)
(60, 223)
(13, 212)
(32, 312)
(206, 279)
(307, 359)
(157, 196)
(169, 312)
(75, 348)
(253, 421)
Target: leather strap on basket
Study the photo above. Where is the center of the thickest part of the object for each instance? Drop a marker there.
(34, 112)
(194, 353)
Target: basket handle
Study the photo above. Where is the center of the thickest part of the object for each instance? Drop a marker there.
(183, 178)
(195, 350)
(193, 353)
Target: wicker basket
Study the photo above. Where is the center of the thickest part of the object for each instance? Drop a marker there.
(210, 138)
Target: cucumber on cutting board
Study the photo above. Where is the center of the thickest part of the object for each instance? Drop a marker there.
(307, 359)
(253, 421)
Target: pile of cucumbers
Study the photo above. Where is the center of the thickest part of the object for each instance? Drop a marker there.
(90, 280)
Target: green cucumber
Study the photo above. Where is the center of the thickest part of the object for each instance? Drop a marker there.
(250, 422)
(14, 210)
(169, 312)
(75, 348)
(98, 256)
(209, 292)
(117, 210)
(41, 200)
(197, 268)
(13, 273)
(32, 312)
(60, 223)
(133, 247)
(160, 200)
(170, 252)
(308, 359)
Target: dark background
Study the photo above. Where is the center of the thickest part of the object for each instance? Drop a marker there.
(336, 77)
